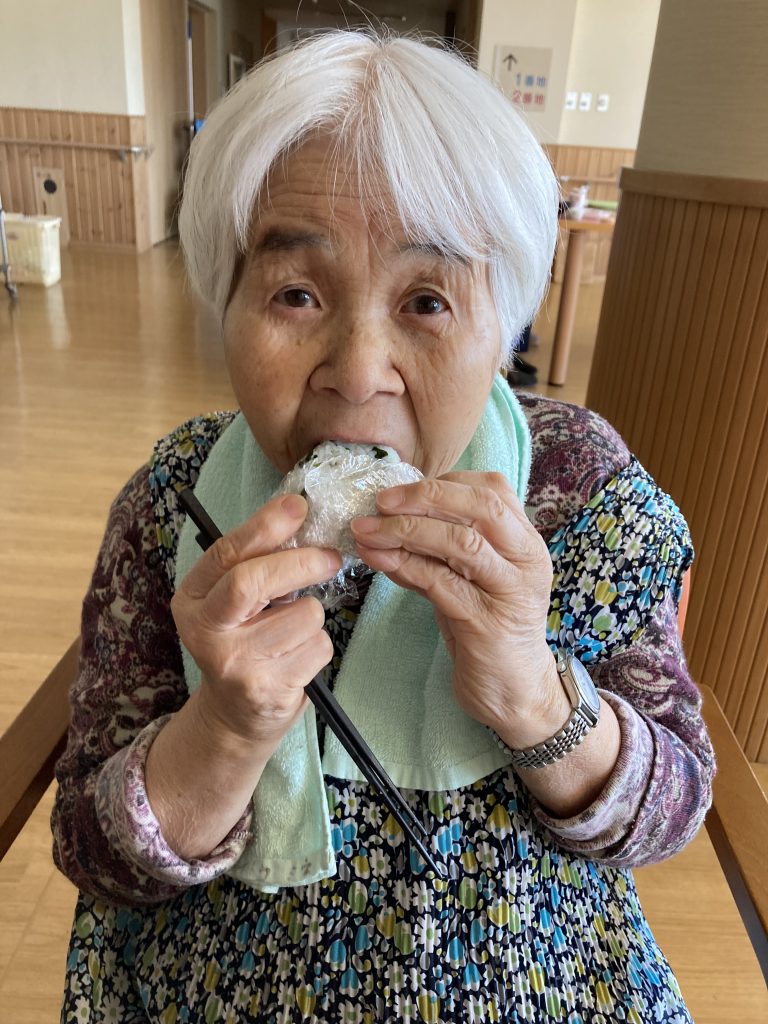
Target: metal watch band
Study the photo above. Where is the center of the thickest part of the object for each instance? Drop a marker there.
(581, 720)
(553, 749)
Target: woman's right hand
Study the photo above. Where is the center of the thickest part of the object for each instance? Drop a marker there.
(255, 659)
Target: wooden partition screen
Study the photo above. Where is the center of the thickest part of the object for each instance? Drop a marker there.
(681, 370)
(103, 160)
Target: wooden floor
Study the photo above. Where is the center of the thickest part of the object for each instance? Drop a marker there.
(92, 371)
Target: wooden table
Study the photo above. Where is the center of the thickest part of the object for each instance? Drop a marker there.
(569, 292)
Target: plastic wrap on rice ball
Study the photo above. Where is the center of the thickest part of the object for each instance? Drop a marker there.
(340, 481)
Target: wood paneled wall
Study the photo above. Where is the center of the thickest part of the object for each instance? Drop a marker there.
(593, 163)
(107, 199)
(601, 167)
(681, 369)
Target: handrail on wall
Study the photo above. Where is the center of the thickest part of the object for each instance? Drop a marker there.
(122, 151)
(584, 178)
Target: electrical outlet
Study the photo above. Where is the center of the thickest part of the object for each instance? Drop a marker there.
(602, 102)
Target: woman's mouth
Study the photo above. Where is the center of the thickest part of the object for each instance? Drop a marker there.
(362, 439)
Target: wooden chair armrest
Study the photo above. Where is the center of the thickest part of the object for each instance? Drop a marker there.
(31, 745)
(737, 824)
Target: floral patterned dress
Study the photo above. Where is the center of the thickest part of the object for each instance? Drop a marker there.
(536, 919)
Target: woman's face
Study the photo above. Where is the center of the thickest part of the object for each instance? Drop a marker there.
(337, 330)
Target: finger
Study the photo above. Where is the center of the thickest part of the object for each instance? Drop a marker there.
(263, 533)
(483, 501)
(462, 548)
(448, 591)
(304, 662)
(249, 586)
(280, 629)
(277, 695)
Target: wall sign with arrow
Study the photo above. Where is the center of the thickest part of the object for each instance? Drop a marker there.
(523, 74)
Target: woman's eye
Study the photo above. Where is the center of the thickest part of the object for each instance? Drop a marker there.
(296, 298)
(425, 304)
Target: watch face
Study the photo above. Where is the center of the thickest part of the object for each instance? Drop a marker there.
(586, 687)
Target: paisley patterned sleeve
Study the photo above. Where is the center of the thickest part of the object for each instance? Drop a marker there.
(130, 680)
(620, 548)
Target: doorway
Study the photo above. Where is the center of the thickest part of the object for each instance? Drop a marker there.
(177, 48)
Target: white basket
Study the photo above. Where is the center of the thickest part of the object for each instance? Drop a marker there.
(33, 248)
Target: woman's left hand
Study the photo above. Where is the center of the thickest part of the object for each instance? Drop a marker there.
(463, 541)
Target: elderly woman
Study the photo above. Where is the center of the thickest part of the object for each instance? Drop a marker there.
(373, 222)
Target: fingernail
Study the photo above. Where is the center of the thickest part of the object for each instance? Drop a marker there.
(365, 524)
(391, 498)
(335, 561)
(293, 504)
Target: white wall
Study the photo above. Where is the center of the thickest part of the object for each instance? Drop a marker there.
(134, 71)
(540, 23)
(71, 56)
(599, 46)
(610, 53)
(85, 55)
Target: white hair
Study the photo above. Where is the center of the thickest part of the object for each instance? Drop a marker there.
(457, 161)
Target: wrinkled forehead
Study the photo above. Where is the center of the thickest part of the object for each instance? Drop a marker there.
(323, 180)
(320, 164)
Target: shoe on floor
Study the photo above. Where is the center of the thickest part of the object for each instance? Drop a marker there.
(521, 374)
(518, 363)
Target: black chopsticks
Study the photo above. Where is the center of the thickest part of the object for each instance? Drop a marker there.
(333, 713)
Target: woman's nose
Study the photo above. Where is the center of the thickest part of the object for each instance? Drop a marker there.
(358, 362)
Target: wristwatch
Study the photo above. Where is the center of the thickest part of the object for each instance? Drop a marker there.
(585, 715)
